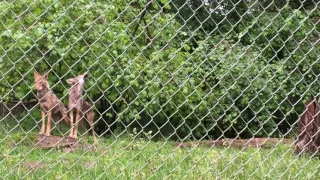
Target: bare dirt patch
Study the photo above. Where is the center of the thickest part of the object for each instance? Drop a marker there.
(34, 165)
(66, 144)
(58, 142)
(48, 142)
(239, 143)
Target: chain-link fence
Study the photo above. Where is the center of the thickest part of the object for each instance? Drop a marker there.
(198, 89)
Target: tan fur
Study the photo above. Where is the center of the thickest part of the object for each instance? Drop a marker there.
(78, 106)
(49, 103)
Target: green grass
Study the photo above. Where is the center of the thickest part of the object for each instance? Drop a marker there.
(125, 157)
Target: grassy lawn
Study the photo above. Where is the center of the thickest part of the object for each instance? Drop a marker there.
(125, 157)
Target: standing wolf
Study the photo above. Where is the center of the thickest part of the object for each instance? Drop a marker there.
(78, 105)
(49, 103)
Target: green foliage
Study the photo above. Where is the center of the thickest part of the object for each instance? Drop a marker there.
(210, 82)
(288, 42)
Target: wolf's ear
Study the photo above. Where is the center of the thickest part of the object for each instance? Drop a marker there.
(70, 81)
(85, 76)
(36, 75)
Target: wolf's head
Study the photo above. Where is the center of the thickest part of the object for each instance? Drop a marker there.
(79, 80)
(41, 82)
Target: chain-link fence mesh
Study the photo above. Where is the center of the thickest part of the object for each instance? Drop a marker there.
(198, 89)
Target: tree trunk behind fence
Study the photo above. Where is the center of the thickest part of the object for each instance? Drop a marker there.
(308, 130)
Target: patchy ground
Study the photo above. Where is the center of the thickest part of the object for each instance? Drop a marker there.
(33, 165)
(239, 143)
(69, 145)
(48, 142)
(30, 156)
(58, 142)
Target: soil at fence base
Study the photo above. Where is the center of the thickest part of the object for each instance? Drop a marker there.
(57, 142)
(239, 143)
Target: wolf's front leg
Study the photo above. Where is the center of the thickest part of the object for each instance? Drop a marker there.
(49, 123)
(43, 118)
(76, 124)
(71, 124)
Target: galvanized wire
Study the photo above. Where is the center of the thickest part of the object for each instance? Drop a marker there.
(136, 28)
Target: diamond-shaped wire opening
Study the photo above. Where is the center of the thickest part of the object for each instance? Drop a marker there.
(185, 70)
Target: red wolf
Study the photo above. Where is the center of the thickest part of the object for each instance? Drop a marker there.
(49, 103)
(78, 105)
